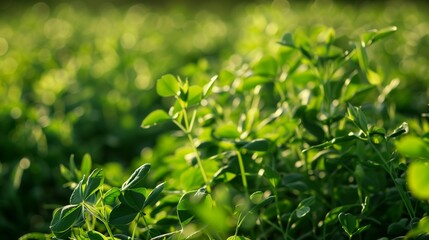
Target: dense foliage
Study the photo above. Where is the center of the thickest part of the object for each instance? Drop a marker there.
(275, 122)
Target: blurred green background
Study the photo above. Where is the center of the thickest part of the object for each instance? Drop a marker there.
(78, 77)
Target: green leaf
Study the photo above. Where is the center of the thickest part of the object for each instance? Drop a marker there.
(35, 235)
(237, 238)
(136, 179)
(66, 173)
(154, 118)
(403, 129)
(262, 204)
(348, 222)
(261, 145)
(361, 229)
(384, 32)
(272, 176)
(195, 94)
(167, 86)
(253, 81)
(86, 165)
(398, 228)
(228, 130)
(307, 201)
(184, 209)
(267, 66)
(77, 194)
(373, 36)
(301, 212)
(94, 235)
(413, 147)
(377, 134)
(64, 218)
(134, 198)
(332, 216)
(287, 40)
(362, 56)
(358, 118)
(207, 90)
(154, 194)
(418, 179)
(257, 197)
(122, 215)
(422, 228)
(95, 180)
(191, 204)
(110, 196)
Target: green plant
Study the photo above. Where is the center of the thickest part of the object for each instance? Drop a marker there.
(301, 141)
(95, 207)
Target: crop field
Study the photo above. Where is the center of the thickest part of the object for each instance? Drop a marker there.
(271, 120)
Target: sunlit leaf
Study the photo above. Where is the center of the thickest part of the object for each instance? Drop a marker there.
(94, 235)
(86, 164)
(418, 179)
(77, 194)
(111, 195)
(154, 195)
(94, 181)
(154, 118)
(237, 238)
(267, 66)
(413, 147)
(64, 218)
(167, 86)
(136, 179)
(227, 131)
(301, 212)
(207, 90)
(195, 94)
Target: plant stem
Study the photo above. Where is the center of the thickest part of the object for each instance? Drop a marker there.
(135, 227)
(199, 162)
(243, 173)
(279, 219)
(404, 198)
(147, 226)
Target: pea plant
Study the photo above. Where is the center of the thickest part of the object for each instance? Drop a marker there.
(302, 143)
(95, 207)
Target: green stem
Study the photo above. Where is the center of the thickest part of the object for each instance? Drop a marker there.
(135, 226)
(147, 226)
(288, 223)
(401, 192)
(106, 224)
(243, 173)
(199, 162)
(279, 219)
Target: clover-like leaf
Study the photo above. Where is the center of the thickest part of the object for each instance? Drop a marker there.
(64, 218)
(154, 194)
(167, 86)
(110, 196)
(94, 181)
(77, 194)
(348, 222)
(195, 94)
(134, 198)
(136, 179)
(122, 215)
